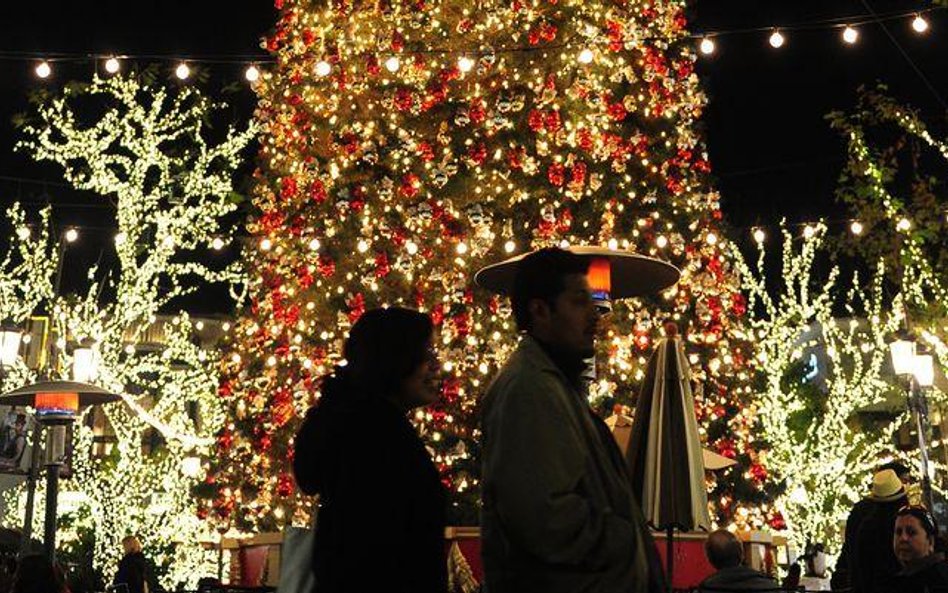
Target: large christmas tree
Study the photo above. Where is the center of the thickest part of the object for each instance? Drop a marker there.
(408, 143)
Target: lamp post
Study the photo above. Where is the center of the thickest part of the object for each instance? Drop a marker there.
(919, 370)
(56, 404)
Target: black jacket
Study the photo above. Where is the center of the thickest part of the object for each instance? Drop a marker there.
(928, 575)
(132, 572)
(842, 576)
(381, 520)
(873, 564)
(739, 578)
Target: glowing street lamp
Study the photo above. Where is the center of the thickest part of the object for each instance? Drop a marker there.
(919, 370)
(57, 405)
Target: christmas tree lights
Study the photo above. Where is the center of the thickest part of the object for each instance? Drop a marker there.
(404, 145)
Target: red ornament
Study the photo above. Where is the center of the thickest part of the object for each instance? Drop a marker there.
(758, 472)
(285, 485)
(403, 99)
(288, 188)
(477, 112)
(777, 521)
(535, 120)
(317, 192)
(398, 41)
(552, 121)
(410, 185)
(555, 174)
(326, 267)
(382, 267)
(617, 112)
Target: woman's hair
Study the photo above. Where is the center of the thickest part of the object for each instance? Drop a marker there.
(924, 516)
(35, 574)
(131, 544)
(384, 348)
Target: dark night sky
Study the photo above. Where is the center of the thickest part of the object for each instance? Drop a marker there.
(773, 154)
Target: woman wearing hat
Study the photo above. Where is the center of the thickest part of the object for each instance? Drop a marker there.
(923, 569)
(874, 563)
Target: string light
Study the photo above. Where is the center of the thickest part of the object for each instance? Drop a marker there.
(904, 224)
(586, 56)
(707, 46)
(314, 244)
(465, 64)
(850, 35)
(661, 241)
(777, 39)
(393, 64)
(23, 233)
(759, 235)
(252, 73)
(919, 24)
(112, 65)
(71, 235)
(323, 68)
(711, 238)
(217, 244)
(510, 247)
(43, 69)
(266, 244)
(809, 232)
(183, 71)
(856, 227)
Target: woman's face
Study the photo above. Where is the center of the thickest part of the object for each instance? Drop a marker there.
(910, 540)
(423, 386)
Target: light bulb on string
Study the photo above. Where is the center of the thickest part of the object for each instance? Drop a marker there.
(707, 46)
(393, 64)
(711, 238)
(23, 233)
(71, 235)
(465, 64)
(661, 241)
(919, 24)
(43, 69)
(510, 246)
(850, 35)
(252, 73)
(183, 71)
(217, 244)
(809, 232)
(777, 39)
(112, 65)
(759, 235)
(586, 56)
(856, 227)
(323, 68)
(904, 224)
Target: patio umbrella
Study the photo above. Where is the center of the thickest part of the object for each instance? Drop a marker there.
(664, 455)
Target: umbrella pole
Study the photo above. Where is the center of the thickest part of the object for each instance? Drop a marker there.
(670, 555)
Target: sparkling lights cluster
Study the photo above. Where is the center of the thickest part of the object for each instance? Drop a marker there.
(171, 198)
(405, 145)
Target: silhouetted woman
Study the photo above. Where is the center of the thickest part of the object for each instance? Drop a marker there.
(380, 525)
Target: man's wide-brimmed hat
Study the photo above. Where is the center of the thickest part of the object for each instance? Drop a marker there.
(886, 487)
(627, 275)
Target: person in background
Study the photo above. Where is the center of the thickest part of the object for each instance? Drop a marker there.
(872, 562)
(381, 517)
(842, 578)
(726, 555)
(913, 540)
(133, 571)
(35, 574)
(559, 515)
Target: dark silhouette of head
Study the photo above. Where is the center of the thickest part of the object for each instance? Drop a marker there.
(35, 574)
(723, 549)
(552, 301)
(384, 349)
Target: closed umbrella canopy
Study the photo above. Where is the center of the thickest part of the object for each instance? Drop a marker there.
(665, 456)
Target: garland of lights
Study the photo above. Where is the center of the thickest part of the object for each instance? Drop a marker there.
(170, 203)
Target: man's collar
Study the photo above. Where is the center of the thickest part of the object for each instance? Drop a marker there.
(545, 357)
